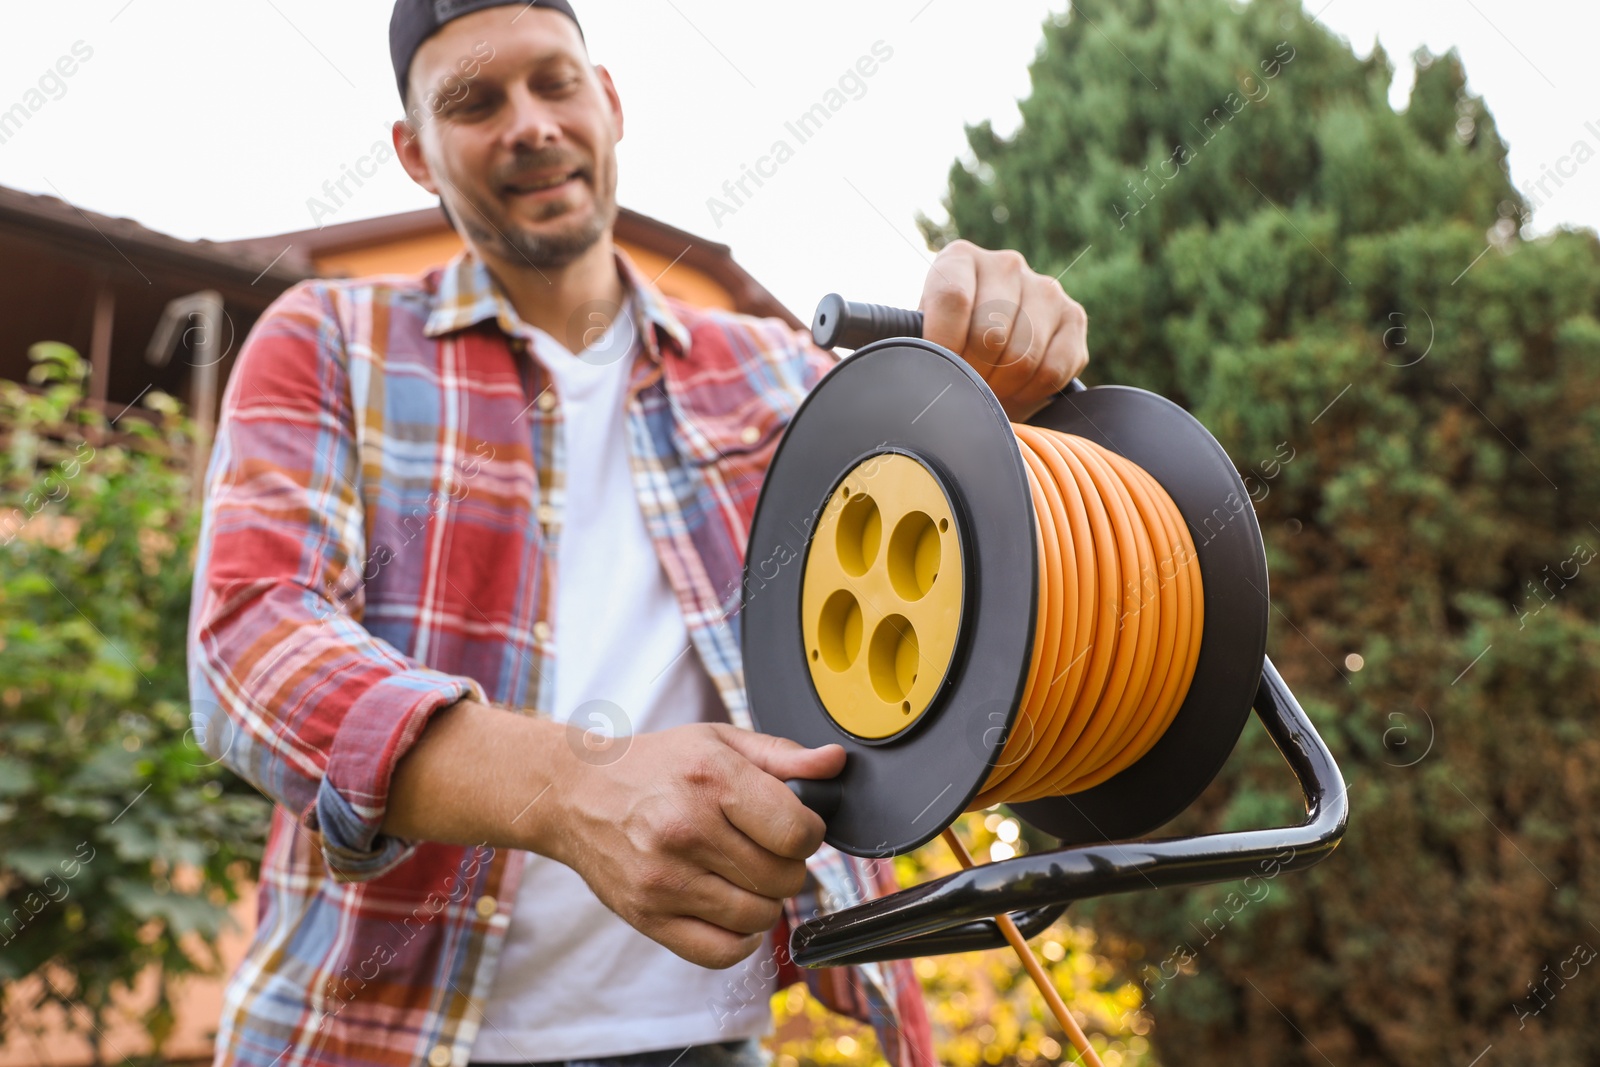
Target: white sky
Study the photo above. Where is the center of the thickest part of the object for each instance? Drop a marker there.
(220, 120)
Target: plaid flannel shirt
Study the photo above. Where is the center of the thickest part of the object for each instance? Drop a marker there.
(379, 542)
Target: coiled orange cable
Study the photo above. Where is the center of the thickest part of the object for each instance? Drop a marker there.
(1116, 641)
(1120, 614)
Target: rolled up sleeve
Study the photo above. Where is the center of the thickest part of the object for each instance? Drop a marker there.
(287, 687)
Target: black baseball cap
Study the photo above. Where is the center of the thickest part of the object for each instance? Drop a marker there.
(414, 21)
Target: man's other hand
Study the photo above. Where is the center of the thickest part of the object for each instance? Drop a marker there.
(1019, 329)
(691, 836)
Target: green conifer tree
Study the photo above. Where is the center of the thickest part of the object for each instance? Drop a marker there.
(1343, 294)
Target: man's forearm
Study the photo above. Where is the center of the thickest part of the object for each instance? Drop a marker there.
(479, 774)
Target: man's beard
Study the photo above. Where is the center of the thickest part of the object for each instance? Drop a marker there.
(497, 230)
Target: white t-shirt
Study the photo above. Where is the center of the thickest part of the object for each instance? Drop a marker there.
(574, 979)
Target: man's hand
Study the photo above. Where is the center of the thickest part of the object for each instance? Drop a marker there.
(1020, 330)
(691, 836)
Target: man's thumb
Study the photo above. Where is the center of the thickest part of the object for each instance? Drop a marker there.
(783, 758)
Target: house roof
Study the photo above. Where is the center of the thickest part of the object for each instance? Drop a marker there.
(711, 258)
(86, 235)
(285, 258)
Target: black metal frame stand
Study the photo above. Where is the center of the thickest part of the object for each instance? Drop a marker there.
(955, 913)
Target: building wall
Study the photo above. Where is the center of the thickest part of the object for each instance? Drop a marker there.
(44, 1038)
(412, 255)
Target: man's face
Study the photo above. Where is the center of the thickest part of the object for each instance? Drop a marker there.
(518, 133)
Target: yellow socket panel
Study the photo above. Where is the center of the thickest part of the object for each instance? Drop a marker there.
(881, 596)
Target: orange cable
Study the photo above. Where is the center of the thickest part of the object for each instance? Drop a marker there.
(1116, 641)
(1119, 619)
(1058, 1007)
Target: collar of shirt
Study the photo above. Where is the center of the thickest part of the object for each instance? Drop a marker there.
(468, 294)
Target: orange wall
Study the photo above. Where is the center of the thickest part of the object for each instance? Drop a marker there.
(44, 1038)
(412, 255)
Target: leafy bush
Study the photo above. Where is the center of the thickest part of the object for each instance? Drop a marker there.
(121, 842)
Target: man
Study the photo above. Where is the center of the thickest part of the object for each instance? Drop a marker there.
(454, 518)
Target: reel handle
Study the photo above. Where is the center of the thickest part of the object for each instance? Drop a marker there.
(821, 795)
(841, 323)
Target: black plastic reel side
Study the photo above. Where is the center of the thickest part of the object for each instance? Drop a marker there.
(1180, 453)
(910, 396)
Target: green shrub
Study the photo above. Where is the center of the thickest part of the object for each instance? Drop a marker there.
(121, 841)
